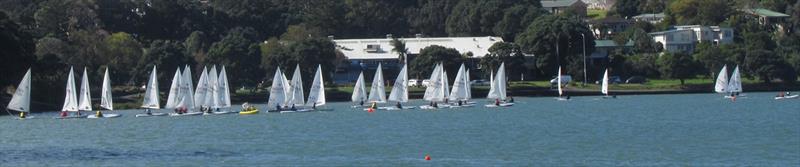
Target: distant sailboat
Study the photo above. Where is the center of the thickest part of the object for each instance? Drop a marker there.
(722, 80)
(277, 93)
(735, 84)
(105, 99)
(296, 85)
(460, 91)
(175, 94)
(434, 92)
(70, 99)
(560, 89)
(224, 92)
(21, 101)
(399, 91)
(202, 90)
(316, 96)
(150, 100)
(212, 96)
(178, 100)
(498, 89)
(187, 90)
(377, 94)
(604, 86)
(359, 91)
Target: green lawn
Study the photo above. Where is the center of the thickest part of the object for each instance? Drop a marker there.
(596, 13)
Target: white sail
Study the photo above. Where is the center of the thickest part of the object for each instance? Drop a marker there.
(359, 90)
(604, 86)
(21, 101)
(498, 84)
(735, 84)
(296, 90)
(287, 90)
(106, 100)
(560, 90)
(400, 88)
(174, 96)
(151, 94)
(433, 91)
(277, 93)
(316, 96)
(445, 84)
(722, 80)
(85, 100)
(187, 89)
(202, 89)
(71, 99)
(469, 85)
(459, 91)
(212, 95)
(224, 89)
(377, 93)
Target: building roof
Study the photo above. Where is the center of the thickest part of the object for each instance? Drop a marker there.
(668, 31)
(765, 12)
(557, 3)
(649, 15)
(381, 48)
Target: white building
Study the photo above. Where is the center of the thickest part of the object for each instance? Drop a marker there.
(365, 54)
(685, 38)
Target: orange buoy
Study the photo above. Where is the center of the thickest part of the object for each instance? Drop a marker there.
(427, 157)
(370, 110)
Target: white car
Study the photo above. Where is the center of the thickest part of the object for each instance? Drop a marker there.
(414, 82)
(426, 82)
(565, 79)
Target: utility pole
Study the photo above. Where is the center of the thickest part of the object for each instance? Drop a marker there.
(584, 59)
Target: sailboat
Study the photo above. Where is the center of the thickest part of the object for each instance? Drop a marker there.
(187, 90)
(604, 86)
(735, 84)
(377, 94)
(21, 101)
(295, 91)
(105, 99)
(560, 87)
(211, 101)
(278, 93)
(177, 98)
(460, 91)
(498, 88)
(316, 96)
(70, 99)
(224, 93)
(359, 91)
(721, 86)
(445, 88)
(434, 93)
(399, 91)
(150, 100)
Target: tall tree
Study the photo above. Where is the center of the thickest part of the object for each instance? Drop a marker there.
(676, 66)
(503, 52)
(557, 41)
(399, 47)
(238, 50)
(16, 50)
(429, 56)
(428, 15)
(704, 12)
(626, 8)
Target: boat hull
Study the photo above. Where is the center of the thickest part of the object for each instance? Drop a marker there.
(104, 116)
(251, 112)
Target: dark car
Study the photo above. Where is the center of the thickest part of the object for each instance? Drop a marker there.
(636, 79)
(614, 80)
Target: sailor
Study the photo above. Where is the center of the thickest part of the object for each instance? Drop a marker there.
(277, 107)
(361, 103)
(497, 102)
(374, 105)
(314, 106)
(22, 115)
(98, 114)
(399, 106)
(510, 99)
(459, 103)
(436, 105)
(63, 113)
(147, 111)
(568, 97)
(293, 108)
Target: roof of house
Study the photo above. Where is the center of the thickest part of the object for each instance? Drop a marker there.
(765, 12)
(649, 15)
(381, 48)
(558, 3)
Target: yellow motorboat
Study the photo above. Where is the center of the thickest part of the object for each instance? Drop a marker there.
(248, 112)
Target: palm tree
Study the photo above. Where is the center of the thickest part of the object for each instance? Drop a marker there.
(400, 48)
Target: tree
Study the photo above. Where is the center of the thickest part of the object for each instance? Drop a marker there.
(428, 16)
(652, 6)
(400, 49)
(503, 52)
(167, 56)
(238, 50)
(710, 57)
(505, 18)
(376, 17)
(126, 53)
(16, 50)
(703, 12)
(764, 64)
(626, 8)
(429, 56)
(197, 45)
(676, 66)
(59, 17)
(556, 41)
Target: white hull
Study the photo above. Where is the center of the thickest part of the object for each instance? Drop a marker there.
(185, 114)
(462, 105)
(737, 96)
(28, 117)
(787, 97)
(151, 114)
(105, 116)
(501, 105)
(562, 99)
(72, 117)
(395, 108)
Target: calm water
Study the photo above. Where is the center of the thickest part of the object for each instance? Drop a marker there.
(647, 130)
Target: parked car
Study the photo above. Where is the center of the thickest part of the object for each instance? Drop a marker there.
(414, 82)
(636, 79)
(614, 80)
(565, 79)
(426, 82)
(479, 82)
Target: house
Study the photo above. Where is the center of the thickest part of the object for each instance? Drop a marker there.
(602, 48)
(366, 54)
(652, 18)
(562, 6)
(684, 38)
(768, 17)
(606, 28)
(600, 4)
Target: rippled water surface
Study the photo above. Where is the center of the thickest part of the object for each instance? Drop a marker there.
(647, 130)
